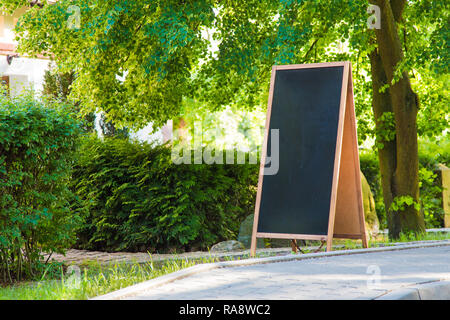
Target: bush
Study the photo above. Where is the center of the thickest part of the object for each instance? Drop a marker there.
(36, 146)
(132, 197)
(430, 155)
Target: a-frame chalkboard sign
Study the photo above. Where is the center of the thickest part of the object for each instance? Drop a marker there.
(316, 192)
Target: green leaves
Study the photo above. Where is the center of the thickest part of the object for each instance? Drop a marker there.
(37, 143)
(218, 52)
(400, 203)
(221, 53)
(155, 44)
(385, 130)
(134, 198)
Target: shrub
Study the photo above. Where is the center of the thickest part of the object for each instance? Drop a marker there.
(133, 197)
(36, 146)
(430, 155)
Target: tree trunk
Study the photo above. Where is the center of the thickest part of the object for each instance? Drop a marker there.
(399, 158)
(381, 103)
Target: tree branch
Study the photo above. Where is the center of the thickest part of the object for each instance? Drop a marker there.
(309, 50)
(397, 7)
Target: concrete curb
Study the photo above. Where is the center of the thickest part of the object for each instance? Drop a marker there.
(437, 290)
(146, 285)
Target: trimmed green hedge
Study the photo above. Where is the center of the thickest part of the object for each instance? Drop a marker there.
(37, 144)
(132, 197)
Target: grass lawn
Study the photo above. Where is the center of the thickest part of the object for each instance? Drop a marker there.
(94, 279)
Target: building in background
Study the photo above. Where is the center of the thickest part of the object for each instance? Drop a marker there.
(18, 73)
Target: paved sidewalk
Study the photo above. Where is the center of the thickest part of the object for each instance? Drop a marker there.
(356, 276)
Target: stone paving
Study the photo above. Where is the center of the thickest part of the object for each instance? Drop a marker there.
(357, 276)
(79, 257)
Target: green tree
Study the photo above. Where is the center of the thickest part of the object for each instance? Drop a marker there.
(57, 86)
(398, 155)
(138, 61)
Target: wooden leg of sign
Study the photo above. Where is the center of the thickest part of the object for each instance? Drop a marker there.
(364, 241)
(255, 218)
(329, 243)
(253, 246)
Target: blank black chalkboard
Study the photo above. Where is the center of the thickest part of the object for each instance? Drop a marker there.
(305, 109)
(316, 192)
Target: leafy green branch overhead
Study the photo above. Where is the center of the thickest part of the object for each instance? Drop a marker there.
(137, 60)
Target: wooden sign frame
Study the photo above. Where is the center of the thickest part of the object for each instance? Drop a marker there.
(346, 215)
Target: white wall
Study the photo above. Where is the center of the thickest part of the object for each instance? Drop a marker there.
(161, 135)
(7, 24)
(24, 73)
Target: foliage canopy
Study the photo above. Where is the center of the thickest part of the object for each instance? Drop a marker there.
(138, 60)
